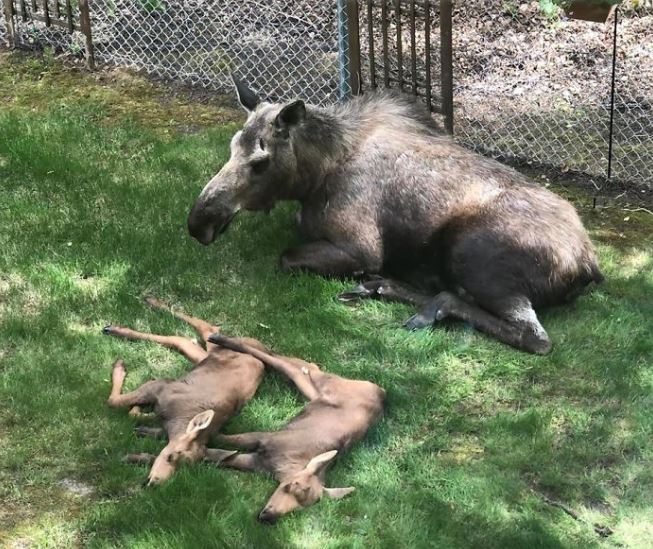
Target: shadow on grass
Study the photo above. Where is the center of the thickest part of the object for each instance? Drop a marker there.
(472, 427)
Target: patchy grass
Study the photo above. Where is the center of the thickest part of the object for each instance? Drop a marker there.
(94, 194)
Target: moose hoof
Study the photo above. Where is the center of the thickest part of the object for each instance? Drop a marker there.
(107, 329)
(365, 290)
(418, 322)
(359, 292)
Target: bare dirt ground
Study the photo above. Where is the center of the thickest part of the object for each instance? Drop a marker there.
(537, 88)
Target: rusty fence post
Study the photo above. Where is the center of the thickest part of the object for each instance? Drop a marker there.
(12, 39)
(85, 24)
(446, 61)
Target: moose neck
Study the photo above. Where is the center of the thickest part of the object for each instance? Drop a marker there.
(321, 143)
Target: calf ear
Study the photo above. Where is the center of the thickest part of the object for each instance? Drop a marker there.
(247, 98)
(337, 493)
(319, 462)
(200, 422)
(291, 114)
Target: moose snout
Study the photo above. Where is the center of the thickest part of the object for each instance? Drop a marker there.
(199, 226)
(267, 516)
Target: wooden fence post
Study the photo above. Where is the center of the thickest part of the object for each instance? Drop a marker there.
(85, 24)
(12, 39)
(353, 47)
(446, 60)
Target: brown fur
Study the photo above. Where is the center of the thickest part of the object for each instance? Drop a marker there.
(221, 382)
(339, 413)
(382, 192)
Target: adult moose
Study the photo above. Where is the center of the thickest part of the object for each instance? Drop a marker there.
(382, 192)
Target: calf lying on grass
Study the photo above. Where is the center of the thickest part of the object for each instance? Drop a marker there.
(194, 406)
(339, 414)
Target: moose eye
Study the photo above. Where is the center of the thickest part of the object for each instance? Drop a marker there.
(259, 166)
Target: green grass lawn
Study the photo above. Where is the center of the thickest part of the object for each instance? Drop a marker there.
(97, 174)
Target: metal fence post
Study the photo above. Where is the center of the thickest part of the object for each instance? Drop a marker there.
(343, 53)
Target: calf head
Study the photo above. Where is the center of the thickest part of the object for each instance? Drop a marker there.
(185, 448)
(302, 489)
(260, 171)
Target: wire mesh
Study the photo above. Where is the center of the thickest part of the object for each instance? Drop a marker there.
(536, 90)
(526, 87)
(282, 48)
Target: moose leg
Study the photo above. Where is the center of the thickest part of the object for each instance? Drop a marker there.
(323, 258)
(185, 346)
(520, 327)
(144, 395)
(385, 289)
(203, 328)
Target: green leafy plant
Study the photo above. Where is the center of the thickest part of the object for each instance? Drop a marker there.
(153, 6)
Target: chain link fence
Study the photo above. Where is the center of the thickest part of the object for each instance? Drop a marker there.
(283, 48)
(527, 87)
(537, 89)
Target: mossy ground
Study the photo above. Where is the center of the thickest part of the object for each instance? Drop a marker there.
(97, 173)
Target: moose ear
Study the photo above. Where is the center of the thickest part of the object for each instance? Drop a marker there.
(200, 422)
(291, 114)
(319, 462)
(337, 493)
(247, 98)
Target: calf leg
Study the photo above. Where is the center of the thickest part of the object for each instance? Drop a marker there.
(322, 257)
(242, 462)
(203, 328)
(185, 346)
(246, 441)
(519, 326)
(145, 395)
(140, 459)
(150, 432)
(303, 374)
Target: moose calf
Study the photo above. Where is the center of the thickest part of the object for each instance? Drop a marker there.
(195, 406)
(339, 413)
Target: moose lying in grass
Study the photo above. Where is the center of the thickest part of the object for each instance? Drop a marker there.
(339, 413)
(193, 407)
(383, 192)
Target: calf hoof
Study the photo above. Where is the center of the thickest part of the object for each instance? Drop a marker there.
(153, 302)
(107, 329)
